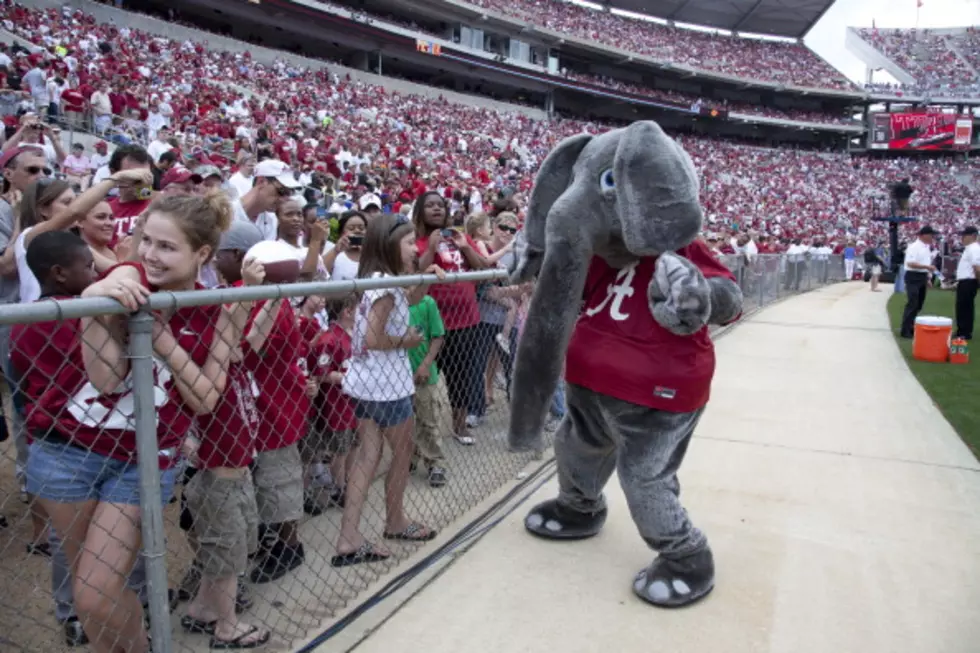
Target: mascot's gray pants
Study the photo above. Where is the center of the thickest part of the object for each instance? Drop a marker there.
(646, 446)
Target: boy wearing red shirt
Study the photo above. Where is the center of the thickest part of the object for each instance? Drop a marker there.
(333, 422)
(270, 345)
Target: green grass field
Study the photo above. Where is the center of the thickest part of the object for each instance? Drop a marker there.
(954, 388)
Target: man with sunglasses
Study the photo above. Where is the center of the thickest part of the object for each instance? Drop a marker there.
(20, 167)
(273, 182)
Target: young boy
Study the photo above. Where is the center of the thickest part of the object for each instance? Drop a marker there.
(333, 420)
(433, 416)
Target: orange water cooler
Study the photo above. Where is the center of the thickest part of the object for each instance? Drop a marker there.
(932, 336)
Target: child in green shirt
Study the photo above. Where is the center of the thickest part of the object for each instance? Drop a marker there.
(433, 416)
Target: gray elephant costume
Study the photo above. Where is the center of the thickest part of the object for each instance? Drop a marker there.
(624, 298)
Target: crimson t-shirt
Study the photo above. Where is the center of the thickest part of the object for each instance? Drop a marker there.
(278, 383)
(456, 301)
(618, 349)
(227, 434)
(331, 353)
(48, 357)
(125, 214)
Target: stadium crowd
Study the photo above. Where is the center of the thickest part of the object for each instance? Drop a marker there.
(930, 58)
(204, 171)
(772, 61)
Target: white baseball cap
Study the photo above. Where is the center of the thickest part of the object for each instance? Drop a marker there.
(369, 199)
(278, 171)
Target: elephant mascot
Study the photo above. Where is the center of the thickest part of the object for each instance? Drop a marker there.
(624, 296)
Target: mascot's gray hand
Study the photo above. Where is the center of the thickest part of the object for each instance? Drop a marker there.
(679, 295)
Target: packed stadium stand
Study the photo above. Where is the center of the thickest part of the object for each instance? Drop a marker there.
(942, 62)
(781, 191)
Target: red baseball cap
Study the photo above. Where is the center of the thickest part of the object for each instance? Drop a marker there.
(179, 175)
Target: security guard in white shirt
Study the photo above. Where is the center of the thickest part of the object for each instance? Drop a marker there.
(918, 273)
(967, 273)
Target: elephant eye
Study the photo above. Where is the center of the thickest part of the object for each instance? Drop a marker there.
(606, 181)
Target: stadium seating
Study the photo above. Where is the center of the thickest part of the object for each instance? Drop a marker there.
(784, 192)
(942, 63)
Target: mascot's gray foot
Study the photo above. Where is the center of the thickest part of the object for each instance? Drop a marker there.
(676, 583)
(555, 522)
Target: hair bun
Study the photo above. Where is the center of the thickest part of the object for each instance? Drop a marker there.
(219, 204)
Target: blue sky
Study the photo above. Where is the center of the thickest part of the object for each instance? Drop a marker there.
(827, 36)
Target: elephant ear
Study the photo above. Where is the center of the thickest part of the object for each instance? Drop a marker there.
(656, 191)
(552, 181)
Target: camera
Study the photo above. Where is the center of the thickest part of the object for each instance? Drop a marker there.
(355, 241)
(447, 233)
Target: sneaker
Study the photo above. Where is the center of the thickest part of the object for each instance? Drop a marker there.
(437, 476)
(311, 506)
(280, 560)
(472, 421)
(503, 343)
(189, 584)
(74, 633)
(321, 477)
(466, 439)
(338, 497)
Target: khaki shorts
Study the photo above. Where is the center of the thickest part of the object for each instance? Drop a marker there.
(433, 420)
(226, 522)
(279, 485)
(319, 442)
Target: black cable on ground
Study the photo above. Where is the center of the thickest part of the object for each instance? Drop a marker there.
(472, 531)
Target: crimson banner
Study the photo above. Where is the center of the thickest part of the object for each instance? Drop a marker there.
(920, 130)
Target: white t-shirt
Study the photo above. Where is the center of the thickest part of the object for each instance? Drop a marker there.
(266, 222)
(322, 274)
(156, 150)
(344, 268)
(969, 259)
(918, 252)
(30, 289)
(240, 183)
(379, 375)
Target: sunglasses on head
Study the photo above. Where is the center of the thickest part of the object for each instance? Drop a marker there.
(507, 228)
(399, 221)
(36, 170)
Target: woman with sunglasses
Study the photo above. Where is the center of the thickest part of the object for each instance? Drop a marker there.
(498, 301)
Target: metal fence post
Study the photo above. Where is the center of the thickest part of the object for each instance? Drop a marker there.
(151, 503)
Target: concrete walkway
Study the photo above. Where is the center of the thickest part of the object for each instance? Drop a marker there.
(843, 510)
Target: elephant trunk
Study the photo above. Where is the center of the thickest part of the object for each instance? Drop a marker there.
(551, 318)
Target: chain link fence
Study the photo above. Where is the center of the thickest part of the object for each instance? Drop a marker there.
(197, 471)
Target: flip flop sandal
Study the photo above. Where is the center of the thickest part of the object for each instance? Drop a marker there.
(39, 549)
(197, 626)
(364, 554)
(552, 521)
(414, 533)
(675, 584)
(238, 644)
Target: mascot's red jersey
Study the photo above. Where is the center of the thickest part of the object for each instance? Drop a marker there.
(618, 349)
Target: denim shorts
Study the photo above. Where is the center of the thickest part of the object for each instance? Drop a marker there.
(384, 413)
(68, 474)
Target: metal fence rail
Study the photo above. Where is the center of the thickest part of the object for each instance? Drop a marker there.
(126, 443)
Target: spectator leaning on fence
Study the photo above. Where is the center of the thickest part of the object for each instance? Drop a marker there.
(196, 346)
(332, 422)
(272, 347)
(453, 251)
(380, 383)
